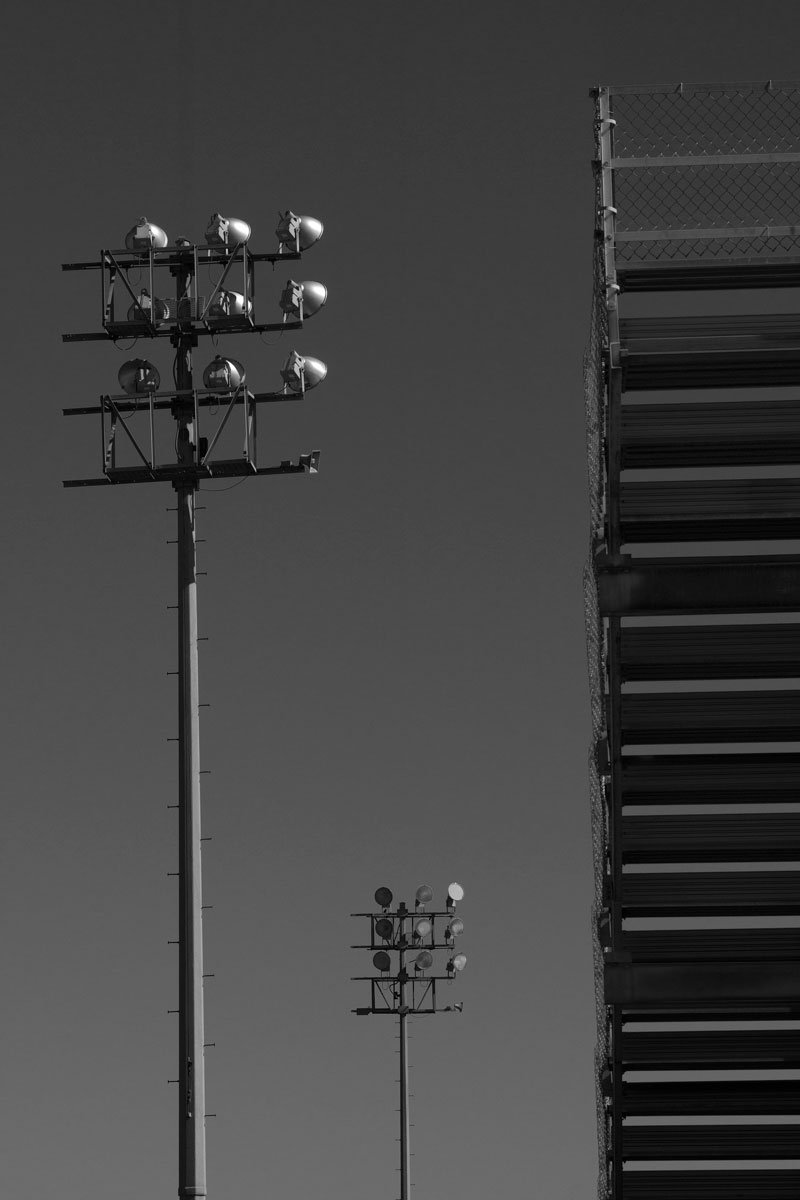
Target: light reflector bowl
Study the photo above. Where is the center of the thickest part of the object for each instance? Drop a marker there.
(137, 375)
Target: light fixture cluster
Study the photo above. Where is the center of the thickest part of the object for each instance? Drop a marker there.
(229, 310)
(415, 934)
(293, 233)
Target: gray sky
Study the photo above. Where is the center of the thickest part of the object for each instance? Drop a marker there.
(396, 663)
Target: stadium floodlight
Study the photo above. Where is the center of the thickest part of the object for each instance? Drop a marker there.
(455, 892)
(423, 961)
(227, 231)
(383, 897)
(145, 236)
(422, 929)
(298, 233)
(137, 375)
(224, 374)
(382, 961)
(150, 308)
(384, 927)
(229, 304)
(303, 300)
(301, 372)
(423, 896)
(454, 929)
(456, 963)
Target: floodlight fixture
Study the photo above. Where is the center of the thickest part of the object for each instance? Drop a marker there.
(455, 892)
(224, 374)
(150, 307)
(423, 961)
(298, 232)
(422, 929)
(382, 961)
(229, 304)
(145, 236)
(137, 375)
(384, 929)
(227, 231)
(383, 897)
(423, 896)
(456, 963)
(454, 929)
(303, 300)
(301, 372)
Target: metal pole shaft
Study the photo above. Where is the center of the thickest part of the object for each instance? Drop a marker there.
(405, 1149)
(191, 1069)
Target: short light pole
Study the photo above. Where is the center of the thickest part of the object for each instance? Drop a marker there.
(136, 413)
(400, 939)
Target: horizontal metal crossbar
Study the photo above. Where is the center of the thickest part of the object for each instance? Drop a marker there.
(709, 233)
(164, 401)
(171, 258)
(178, 474)
(687, 89)
(209, 329)
(700, 160)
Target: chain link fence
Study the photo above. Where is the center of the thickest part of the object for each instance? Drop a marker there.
(594, 396)
(705, 208)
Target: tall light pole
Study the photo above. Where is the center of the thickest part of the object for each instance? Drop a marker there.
(191, 316)
(394, 936)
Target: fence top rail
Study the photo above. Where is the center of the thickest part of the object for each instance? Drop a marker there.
(670, 89)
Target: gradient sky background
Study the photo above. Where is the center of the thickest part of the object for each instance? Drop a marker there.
(396, 665)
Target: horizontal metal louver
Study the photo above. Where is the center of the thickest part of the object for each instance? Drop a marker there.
(708, 945)
(728, 837)
(697, 352)
(757, 1097)
(709, 510)
(711, 652)
(710, 1185)
(675, 717)
(724, 434)
(725, 1049)
(710, 1141)
(710, 778)
(688, 893)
